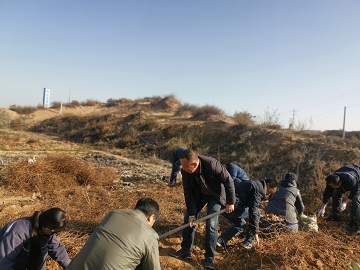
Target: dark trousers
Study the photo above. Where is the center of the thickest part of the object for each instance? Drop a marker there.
(355, 207)
(174, 170)
(213, 205)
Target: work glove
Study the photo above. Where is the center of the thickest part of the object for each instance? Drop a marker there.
(342, 207)
(321, 213)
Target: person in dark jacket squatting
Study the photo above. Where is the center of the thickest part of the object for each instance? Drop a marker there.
(175, 165)
(345, 179)
(284, 203)
(125, 239)
(249, 194)
(205, 181)
(236, 172)
(26, 242)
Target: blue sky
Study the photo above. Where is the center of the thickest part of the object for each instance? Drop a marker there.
(238, 55)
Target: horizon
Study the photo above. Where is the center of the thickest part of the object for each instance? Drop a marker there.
(300, 59)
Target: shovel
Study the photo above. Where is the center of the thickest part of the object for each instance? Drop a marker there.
(187, 224)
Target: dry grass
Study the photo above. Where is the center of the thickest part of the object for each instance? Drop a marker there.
(55, 173)
(87, 193)
(23, 109)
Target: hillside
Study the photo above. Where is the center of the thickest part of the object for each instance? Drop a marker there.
(133, 141)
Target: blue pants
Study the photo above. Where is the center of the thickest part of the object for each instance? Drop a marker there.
(213, 205)
(283, 226)
(237, 218)
(174, 170)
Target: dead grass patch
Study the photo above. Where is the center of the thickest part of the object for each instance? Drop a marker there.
(55, 174)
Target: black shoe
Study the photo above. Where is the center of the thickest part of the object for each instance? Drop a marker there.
(352, 228)
(181, 254)
(333, 218)
(221, 243)
(172, 184)
(209, 263)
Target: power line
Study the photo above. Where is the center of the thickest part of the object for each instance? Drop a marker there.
(329, 100)
(335, 110)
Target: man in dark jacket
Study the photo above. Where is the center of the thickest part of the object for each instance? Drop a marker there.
(345, 179)
(248, 194)
(125, 239)
(205, 181)
(175, 165)
(236, 172)
(286, 201)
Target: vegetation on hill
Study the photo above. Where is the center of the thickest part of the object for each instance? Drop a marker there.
(155, 126)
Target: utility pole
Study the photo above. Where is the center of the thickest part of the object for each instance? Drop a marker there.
(293, 120)
(311, 122)
(69, 94)
(344, 123)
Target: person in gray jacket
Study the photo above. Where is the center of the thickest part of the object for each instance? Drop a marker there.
(26, 242)
(125, 239)
(285, 203)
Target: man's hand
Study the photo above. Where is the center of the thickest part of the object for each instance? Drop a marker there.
(342, 207)
(229, 208)
(321, 211)
(257, 242)
(191, 220)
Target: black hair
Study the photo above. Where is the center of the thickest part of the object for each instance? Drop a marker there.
(53, 219)
(291, 176)
(189, 155)
(272, 183)
(333, 179)
(148, 207)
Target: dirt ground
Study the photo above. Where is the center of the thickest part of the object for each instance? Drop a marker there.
(139, 176)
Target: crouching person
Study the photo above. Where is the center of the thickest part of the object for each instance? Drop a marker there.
(125, 239)
(284, 203)
(249, 194)
(26, 242)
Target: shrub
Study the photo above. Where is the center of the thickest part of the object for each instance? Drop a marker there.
(168, 103)
(244, 118)
(73, 104)
(90, 102)
(22, 109)
(54, 173)
(56, 104)
(208, 110)
(269, 118)
(186, 107)
(115, 102)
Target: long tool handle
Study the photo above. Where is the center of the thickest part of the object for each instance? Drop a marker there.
(187, 224)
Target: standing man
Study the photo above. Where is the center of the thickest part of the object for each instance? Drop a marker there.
(342, 180)
(175, 165)
(205, 181)
(125, 239)
(249, 194)
(236, 172)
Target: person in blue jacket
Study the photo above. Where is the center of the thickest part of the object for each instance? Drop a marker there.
(176, 165)
(26, 242)
(345, 179)
(236, 172)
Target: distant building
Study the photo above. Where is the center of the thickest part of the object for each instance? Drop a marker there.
(46, 98)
